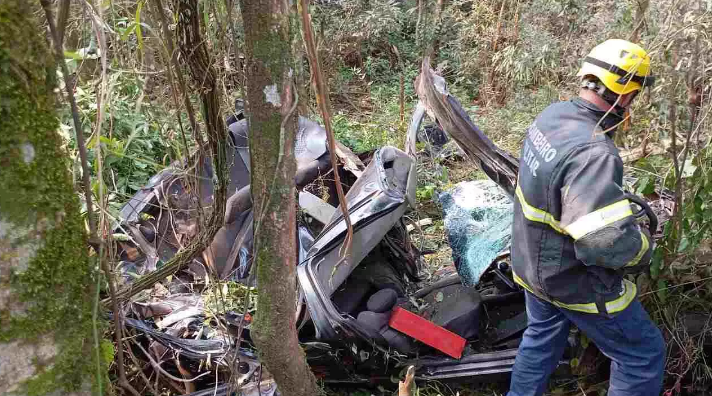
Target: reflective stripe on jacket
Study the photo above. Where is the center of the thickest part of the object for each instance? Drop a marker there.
(573, 229)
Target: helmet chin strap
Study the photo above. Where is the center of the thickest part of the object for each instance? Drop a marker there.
(604, 93)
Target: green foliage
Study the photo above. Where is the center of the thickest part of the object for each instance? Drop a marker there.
(661, 290)
(365, 36)
(507, 125)
(229, 296)
(540, 42)
(521, 65)
(697, 210)
(425, 192)
(381, 126)
(525, 61)
(359, 136)
(646, 185)
(137, 139)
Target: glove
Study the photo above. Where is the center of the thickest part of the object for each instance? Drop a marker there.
(643, 265)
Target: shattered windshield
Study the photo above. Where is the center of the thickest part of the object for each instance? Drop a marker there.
(478, 221)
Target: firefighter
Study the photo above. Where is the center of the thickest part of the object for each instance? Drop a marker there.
(575, 234)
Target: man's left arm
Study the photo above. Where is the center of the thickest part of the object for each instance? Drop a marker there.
(596, 214)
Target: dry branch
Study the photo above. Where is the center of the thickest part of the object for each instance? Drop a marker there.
(407, 386)
(322, 100)
(98, 26)
(641, 151)
(62, 17)
(639, 19)
(498, 30)
(173, 60)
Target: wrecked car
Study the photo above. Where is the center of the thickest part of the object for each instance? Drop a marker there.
(345, 309)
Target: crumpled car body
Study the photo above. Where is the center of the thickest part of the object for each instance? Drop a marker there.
(338, 302)
(343, 304)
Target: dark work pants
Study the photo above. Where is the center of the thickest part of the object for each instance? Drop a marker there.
(630, 339)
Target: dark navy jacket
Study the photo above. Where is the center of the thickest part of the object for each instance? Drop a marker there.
(573, 229)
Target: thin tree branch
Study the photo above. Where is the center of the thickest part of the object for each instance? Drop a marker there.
(164, 372)
(195, 53)
(673, 240)
(62, 18)
(141, 373)
(640, 16)
(171, 78)
(118, 327)
(322, 100)
(694, 109)
(98, 25)
(498, 31)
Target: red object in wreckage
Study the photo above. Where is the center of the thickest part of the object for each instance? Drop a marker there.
(427, 332)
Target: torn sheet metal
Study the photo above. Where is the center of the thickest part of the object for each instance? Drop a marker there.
(239, 261)
(316, 207)
(376, 204)
(166, 305)
(310, 144)
(499, 165)
(179, 315)
(190, 348)
(264, 388)
(351, 161)
(167, 205)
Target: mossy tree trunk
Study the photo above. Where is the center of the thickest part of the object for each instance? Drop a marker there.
(272, 124)
(46, 280)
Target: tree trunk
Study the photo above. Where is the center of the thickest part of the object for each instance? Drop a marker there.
(272, 124)
(419, 35)
(439, 8)
(46, 280)
(492, 83)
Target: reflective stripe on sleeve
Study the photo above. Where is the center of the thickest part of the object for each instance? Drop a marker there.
(599, 219)
(622, 302)
(643, 248)
(535, 214)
